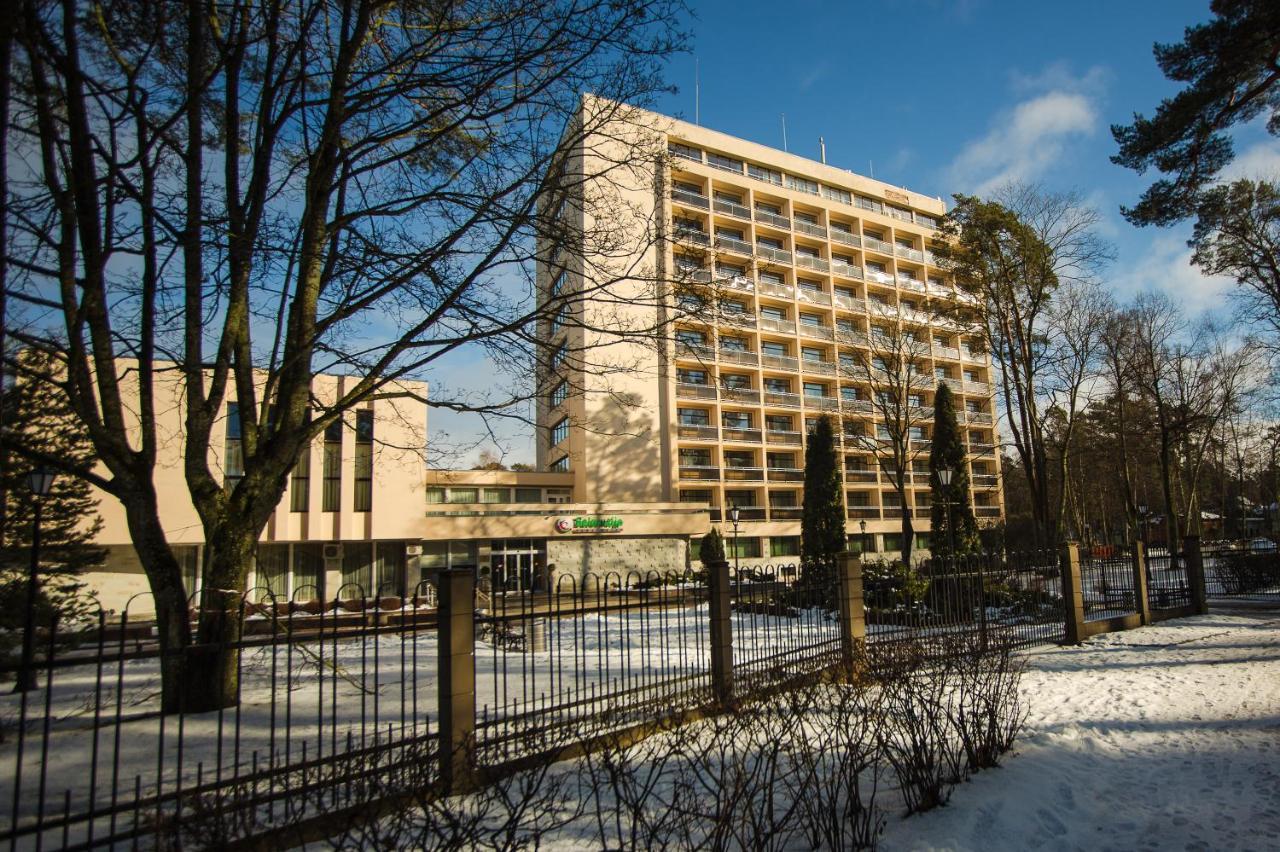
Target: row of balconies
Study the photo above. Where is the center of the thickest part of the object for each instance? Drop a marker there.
(804, 260)
(864, 513)
(704, 354)
(787, 399)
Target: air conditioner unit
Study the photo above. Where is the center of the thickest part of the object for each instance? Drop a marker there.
(333, 551)
(413, 550)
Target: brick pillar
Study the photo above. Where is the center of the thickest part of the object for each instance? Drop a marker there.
(721, 633)
(853, 614)
(1195, 573)
(457, 677)
(1142, 599)
(1073, 593)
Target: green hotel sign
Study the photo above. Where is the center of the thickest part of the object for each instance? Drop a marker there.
(589, 525)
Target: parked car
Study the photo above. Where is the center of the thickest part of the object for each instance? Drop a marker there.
(1258, 544)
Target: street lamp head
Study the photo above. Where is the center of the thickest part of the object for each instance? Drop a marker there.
(863, 526)
(1142, 509)
(734, 514)
(40, 481)
(944, 476)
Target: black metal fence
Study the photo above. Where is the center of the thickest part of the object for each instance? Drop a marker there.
(1168, 580)
(1108, 584)
(1250, 570)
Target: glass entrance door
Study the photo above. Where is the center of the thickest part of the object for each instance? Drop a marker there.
(516, 563)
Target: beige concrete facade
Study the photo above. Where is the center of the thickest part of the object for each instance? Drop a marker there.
(796, 263)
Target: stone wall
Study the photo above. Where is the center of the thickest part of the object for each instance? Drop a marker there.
(575, 557)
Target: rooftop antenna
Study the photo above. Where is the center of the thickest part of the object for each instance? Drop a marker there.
(822, 149)
(872, 166)
(697, 94)
(784, 131)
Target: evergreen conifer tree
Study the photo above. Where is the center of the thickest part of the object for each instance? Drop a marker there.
(948, 453)
(822, 533)
(712, 548)
(37, 418)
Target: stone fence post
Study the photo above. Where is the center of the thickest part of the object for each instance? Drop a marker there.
(1072, 593)
(1142, 598)
(721, 632)
(1195, 573)
(456, 616)
(853, 614)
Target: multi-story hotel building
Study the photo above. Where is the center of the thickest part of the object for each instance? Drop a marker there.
(784, 276)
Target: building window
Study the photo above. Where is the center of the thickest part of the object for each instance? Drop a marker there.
(300, 481)
(696, 495)
(691, 377)
(784, 545)
(308, 571)
(233, 449)
(735, 419)
(841, 195)
(496, 495)
(694, 338)
(742, 548)
(815, 389)
(558, 356)
(271, 573)
(364, 461)
(742, 499)
(800, 184)
(559, 495)
(528, 495)
(332, 496)
(774, 385)
(435, 495)
(560, 431)
(695, 457)
(560, 465)
(559, 394)
(560, 319)
(735, 381)
(464, 495)
(693, 417)
(766, 175)
(770, 347)
(734, 344)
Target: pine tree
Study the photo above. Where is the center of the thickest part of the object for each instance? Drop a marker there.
(948, 453)
(37, 418)
(712, 548)
(822, 534)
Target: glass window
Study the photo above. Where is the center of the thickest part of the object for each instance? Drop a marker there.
(778, 422)
(739, 458)
(811, 353)
(357, 570)
(464, 495)
(769, 242)
(736, 419)
(694, 417)
(233, 450)
(783, 499)
(802, 184)
(528, 495)
(735, 380)
(735, 344)
(777, 385)
(271, 572)
(332, 473)
(815, 389)
(559, 495)
(771, 347)
(837, 194)
(695, 457)
(766, 175)
(364, 461)
(723, 162)
(308, 571)
(731, 197)
(744, 499)
(686, 151)
(695, 495)
(560, 465)
(559, 355)
(300, 481)
(435, 495)
(559, 394)
(691, 377)
(772, 278)
(784, 545)
(560, 431)
(742, 548)
(810, 319)
(496, 495)
(774, 313)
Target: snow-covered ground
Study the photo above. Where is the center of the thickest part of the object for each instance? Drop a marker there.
(1166, 737)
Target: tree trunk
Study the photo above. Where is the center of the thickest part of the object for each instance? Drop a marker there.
(214, 663)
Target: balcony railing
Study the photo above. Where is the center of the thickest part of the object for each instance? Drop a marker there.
(774, 254)
(845, 238)
(738, 356)
(909, 253)
(737, 282)
(694, 350)
(857, 406)
(814, 297)
(822, 332)
(784, 291)
(859, 474)
(881, 308)
(821, 403)
(979, 448)
(853, 338)
(786, 513)
(772, 219)
(781, 436)
(955, 384)
(949, 352)
(732, 244)
(821, 368)
(689, 390)
(751, 513)
(732, 208)
(985, 480)
(877, 245)
(692, 235)
(780, 362)
(782, 398)
(811, 229)
(742, 319)
(913, 284)
(697, 431)
(977, 387)
(691, 199)
(850, 302)
(743, 474)
(786, 474)
(879, 277)
(981, 418)
(939, 291)
(746, 436)
(987, 511)
(891, 512)
(866, 512)
(724, 164)
(848, 270)
(780, 326)
(930, 258)
(699, 471)
(739, 395)
(808, 261)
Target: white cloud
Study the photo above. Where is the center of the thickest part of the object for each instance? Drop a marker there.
(1165, 266)
(1258, 161)
(1027, 139)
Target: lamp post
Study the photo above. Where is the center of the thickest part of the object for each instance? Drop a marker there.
(944, 479)
(862, 525)
(734, 514)
(40, 481)
(1142, 517)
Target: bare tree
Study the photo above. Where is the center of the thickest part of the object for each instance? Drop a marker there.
(239, 196)
(1117, 357)
(898, 352)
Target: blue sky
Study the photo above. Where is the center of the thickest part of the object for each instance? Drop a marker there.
(946, 96)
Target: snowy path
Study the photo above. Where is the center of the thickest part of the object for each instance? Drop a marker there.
(1167, 737)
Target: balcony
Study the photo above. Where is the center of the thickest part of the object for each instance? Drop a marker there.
(981, 388)
(786, 474)
(892, 512)
(736, 282)
(786, 513)
(857, 406)
(986, 511)
(859, 474)
(742, 436)
(865, 512)
(822, 403)
(821, 332)
(811, 229)
(981, 418)
(922, 412)
(694, 350)
(732, 244)
(931, 258)
(979, 448)
(741, 319)
(699, 471)
(775, 254)
(782, 398)
(845, 238)
(814, 297)
(954, 384)
(909, 253)
(782, 291)
(732, 473)
(879, 277)
(780, 362)
(809, 261)
(985, 480)
(732, 208)
(974, 357)
(751, 513)
(778, 325)
(849, 302)
(948, 352)
(848, 270)
(871, 243)
(692, 236)
(915, 285)
(853, 338)
(939, 292)
(740, 395)
(690, 390)
(690, 199)
(822, 368)
(693, 274)
(738, 356)
(697, 431)
(882, 308)
(773, 219)
(780, 436)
